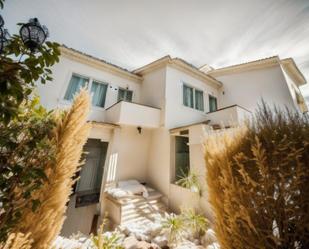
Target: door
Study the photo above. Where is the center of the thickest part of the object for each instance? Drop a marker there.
(89, 184)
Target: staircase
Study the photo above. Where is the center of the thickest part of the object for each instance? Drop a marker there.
(134, 208)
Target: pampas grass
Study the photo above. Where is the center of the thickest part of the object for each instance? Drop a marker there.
(18, 241)
(70, 135)
(258, 179)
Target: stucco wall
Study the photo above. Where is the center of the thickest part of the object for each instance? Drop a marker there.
(52, 93)
(176, 114)
(158, 170)
(292, 87)
(153, 90)
(248, 88)
(129, 153)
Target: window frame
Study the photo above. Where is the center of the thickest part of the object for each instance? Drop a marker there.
(68, 84)
(88, 87)
(212, 96)
(203, 107)
(194, 98)
(125, 90)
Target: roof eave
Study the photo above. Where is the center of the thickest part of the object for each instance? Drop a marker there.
(253, 65)
(153, 65)
(92, 61)
(180, 64)
(291, 68)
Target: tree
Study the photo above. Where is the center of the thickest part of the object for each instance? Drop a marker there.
(24, 142)
(41, 211)
(258, 182)
(20, 69)
(25, 128)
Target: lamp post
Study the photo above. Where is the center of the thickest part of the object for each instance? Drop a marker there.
(33, 34)
(4, 35)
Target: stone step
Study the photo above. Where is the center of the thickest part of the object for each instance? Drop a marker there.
(138, 219)
(141, 205)
(144, 209)
(138, 200)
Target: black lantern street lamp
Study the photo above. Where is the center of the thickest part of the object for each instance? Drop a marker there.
(1, 21)
(33, 34)
(4, 35)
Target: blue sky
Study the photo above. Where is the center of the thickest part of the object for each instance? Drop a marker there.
(131, 33)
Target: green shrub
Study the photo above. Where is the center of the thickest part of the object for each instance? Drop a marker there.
(104, 241)
(188, 222)
(258, 178)
(197, 223)
(24, 142)
(191, 181)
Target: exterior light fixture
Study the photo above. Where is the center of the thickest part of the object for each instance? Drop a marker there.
(4, 35)
(33, 34)
(139, 129)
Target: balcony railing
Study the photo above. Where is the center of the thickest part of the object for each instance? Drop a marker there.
(129, 113)
(229, 116)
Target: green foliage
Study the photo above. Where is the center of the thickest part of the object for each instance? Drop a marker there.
(258, 182)
(197, 223)
(106, 241)
(174, 225)
(191, 181)
(19, 70)
(25, 147)
(188, 222)
(1, 4)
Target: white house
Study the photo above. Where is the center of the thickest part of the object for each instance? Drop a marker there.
(148, 123)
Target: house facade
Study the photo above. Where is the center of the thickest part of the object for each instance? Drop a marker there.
(148, 124)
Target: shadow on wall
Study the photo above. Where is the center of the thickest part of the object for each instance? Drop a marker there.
(112, 168)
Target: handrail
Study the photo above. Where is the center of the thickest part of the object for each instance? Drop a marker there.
(132, 103)
(231, 106)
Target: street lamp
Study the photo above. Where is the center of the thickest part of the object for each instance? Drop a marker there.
(33, 34)
(4, 35)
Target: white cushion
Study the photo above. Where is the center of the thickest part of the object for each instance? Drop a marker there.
(127, 182)
(134, 189)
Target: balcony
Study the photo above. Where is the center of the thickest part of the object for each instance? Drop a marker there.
(229, 116)
(128, 113)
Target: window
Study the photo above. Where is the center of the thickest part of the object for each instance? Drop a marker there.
(199, 100)
(193, 98)
(188, 96)
(212, 103)
(76, 83)
(98, 91)
(125, 94)
(182, 157)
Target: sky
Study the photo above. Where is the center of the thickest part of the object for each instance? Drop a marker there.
(132, 33)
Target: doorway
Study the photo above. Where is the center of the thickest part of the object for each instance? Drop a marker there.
(90, 177)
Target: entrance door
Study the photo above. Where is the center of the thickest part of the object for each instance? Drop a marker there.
(89, 184)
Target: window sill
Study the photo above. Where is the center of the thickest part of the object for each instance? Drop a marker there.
(183, 188)
(92, 108)
(193, 109)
